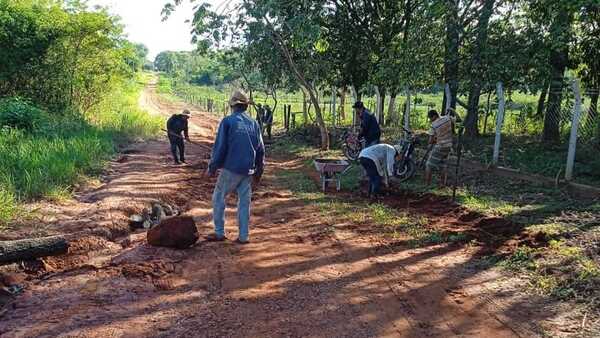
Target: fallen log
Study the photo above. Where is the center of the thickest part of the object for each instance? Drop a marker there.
(32, 248)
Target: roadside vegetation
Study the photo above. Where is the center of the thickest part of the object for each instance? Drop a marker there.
(68, 98)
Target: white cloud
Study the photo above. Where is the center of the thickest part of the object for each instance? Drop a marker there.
(142, 20)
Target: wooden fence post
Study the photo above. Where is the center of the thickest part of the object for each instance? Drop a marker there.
(574, 130)
(333, 99)
(407, 112)
(377, 103)
(355, 97)
(499, 123)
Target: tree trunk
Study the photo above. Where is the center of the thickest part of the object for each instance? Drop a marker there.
(451, 62)
(274, 100)
(304, 83)
(472, 119)
(487, 113)
(304, 108)
(381, 110)
(551, 132)
(28, 249)
(542, 100)
(392, 116)
(559, 58)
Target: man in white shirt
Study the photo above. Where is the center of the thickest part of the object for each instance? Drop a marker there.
(440, 136)
(378, 161)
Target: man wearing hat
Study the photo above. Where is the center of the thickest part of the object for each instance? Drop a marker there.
(176, 125)
(239, 153)
(378, 161)
(369, 127)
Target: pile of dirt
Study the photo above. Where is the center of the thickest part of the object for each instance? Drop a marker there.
(175, 232)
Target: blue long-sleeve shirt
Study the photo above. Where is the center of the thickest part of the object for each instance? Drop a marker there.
(238, 147)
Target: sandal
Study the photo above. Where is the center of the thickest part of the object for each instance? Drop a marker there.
(214, 238)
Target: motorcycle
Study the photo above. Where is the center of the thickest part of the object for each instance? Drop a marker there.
(352, 145)
(405, 168)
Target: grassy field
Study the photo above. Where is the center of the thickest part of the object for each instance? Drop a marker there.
(47, 161)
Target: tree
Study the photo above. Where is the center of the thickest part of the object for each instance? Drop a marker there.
(290, 27)
(589, 59)
(556, 20)
(60, 55)
(471, 120)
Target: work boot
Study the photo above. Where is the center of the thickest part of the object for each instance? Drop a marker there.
(239, 241)
(215, 238)
(177, 162)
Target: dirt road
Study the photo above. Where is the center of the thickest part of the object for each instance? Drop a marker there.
(298, 278)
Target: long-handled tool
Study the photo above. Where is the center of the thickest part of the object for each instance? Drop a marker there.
(425, 156)
(458, 157)
(190, 141)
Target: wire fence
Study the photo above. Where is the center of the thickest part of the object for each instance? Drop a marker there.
(555, 133)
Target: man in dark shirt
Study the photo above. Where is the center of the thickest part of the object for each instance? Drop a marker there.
(260, 115)
(268, 120)
(369, 127)
(177, 125)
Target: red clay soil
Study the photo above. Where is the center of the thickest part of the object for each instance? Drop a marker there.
(303, 275)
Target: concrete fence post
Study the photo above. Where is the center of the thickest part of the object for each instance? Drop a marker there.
(574, 130)
(499, 123)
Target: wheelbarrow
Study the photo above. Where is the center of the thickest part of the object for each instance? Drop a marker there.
(331, 170)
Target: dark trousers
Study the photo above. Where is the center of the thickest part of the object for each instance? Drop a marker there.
(177, 145)
(374, 178)
(268, 129)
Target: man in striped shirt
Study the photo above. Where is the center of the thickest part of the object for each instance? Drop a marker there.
(440, 136)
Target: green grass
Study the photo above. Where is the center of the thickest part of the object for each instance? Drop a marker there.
(47, 162)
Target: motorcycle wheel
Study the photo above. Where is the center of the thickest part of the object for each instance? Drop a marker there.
(351, 154)
(407, 171)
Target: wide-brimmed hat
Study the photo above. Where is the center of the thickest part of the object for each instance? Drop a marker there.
(238, 97)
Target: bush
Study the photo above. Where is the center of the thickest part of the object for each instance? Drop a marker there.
(19, 113)
(46, 163)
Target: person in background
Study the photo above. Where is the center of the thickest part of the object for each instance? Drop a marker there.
(239, 153)
(369, 127)
(268, 120)
(260, 115)
(177, 125)
(378, 162)
(440, 138)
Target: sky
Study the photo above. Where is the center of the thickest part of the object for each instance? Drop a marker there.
(142, 20)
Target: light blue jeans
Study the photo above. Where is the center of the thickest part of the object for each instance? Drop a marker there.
(227, 183)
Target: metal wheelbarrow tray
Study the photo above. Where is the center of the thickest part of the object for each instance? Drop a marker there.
(331, 170)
